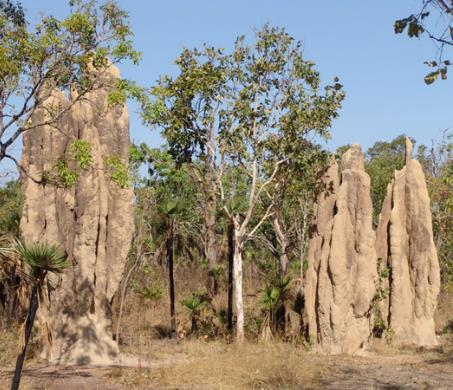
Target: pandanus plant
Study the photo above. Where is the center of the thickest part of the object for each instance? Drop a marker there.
(41, 259)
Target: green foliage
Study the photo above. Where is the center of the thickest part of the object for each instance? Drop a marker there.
(274, 294)
(196, 303)
(242, 122)
(230, 86)
(167, 200)
(66, 176)
(378, 324)
(270, 298)
(118, 171)
(148, 292)
(61, 52)
(389, 335)
(435, 21)
(382, 159)
(448, 328)
(67, 169)
(222, 315)
(383, 274)
(80, 150)
(173, 206)
(14, 13)
(42, 258)
(253, 325)
(129, 89)
(414, 28)
(217, 271)
(340, 151)
(305, 266)
(10, 210)
(437, 163)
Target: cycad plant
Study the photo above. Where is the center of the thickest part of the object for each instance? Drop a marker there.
(42, 259)
(273, 296)
(194, 304)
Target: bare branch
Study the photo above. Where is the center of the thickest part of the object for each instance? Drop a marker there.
(266, 215)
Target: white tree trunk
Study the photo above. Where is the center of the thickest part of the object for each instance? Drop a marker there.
(283, 242)
(239, 303)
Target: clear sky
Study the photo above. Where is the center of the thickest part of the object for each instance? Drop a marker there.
(382, 73)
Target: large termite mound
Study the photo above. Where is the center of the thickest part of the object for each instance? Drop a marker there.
(341, 275)
(91, 219)
(319, 250)
(406, 247)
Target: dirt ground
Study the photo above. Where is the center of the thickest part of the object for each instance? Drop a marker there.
(215, 365)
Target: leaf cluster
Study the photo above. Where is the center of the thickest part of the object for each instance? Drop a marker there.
(435, 19)
(69, 54)
(259, 99)
(118, 170)
(10, 210)
(382, 159)
(41, 257)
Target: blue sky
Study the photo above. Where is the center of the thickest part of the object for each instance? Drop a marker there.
(382, 73)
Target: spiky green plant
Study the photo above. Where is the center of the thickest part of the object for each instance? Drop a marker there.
(272, 297)
(42, 259)
(274, 293)
(195, 304)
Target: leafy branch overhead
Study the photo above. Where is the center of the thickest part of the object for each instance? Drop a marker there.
(71, 53)
(435, 19)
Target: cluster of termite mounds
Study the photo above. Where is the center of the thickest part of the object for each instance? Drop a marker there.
(349, 264)
(91, 220)
(355, 274)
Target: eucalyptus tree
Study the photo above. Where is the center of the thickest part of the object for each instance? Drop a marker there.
(248, 112)
(382, 159)
(298, 182)
(187, 107)
(437, 162)
(36, 59)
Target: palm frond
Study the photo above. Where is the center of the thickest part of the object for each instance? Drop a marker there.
(42, 257)
(195, 303)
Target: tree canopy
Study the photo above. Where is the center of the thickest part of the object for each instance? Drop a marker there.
(58, 54)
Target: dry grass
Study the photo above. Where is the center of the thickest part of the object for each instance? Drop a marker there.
(188, 364)
(215, 365)
(145, 320)
(197, 364)
(443, 317)
(8, 346)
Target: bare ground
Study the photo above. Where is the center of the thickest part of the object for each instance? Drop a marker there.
(215, 365)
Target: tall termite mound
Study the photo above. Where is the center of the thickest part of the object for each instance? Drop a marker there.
(341, 275)
(90, 216)
(405, 245)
